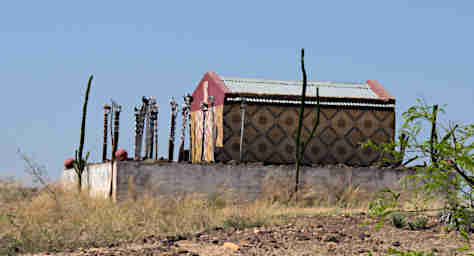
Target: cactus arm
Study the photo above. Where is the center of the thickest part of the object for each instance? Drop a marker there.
(83, 124)
(79, 163)
(303, 145)
(301, 112)
(316, 123)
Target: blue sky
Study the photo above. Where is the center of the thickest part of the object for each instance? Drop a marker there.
(163, 48)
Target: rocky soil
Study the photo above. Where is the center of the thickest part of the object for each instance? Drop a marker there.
(316, 235)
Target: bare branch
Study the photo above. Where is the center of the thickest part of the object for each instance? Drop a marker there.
(410, 160)
(434, 136)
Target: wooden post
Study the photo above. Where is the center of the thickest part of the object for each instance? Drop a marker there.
(242, 127)
(212, 101)
(204, 109)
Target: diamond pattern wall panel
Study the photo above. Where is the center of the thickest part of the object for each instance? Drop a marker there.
(270, 131)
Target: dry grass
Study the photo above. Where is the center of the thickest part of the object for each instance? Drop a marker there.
(278, 189)
(67, 220)
(13, 191)
(57, 220)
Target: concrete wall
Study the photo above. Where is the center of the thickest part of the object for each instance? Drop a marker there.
(96, 179)
(134, 179)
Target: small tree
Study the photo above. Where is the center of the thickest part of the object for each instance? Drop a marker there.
(447, 154)
(80, 163)
(301, 146)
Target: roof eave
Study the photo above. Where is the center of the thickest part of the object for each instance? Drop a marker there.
(311, 98)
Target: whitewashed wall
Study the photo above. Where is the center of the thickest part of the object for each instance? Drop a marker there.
(96, 179)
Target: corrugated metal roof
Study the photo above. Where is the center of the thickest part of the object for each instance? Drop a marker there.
(275, 87)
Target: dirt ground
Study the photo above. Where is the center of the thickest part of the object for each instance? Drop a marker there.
(315, 235)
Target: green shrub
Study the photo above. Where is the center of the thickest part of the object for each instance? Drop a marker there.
(398, 220)
(419, 223)
(240, 222)
(392, 251)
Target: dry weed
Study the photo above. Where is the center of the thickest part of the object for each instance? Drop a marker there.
(70, 220)
(278, 189)
(67, 220)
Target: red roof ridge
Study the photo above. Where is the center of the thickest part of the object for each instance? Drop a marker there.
(378, 89)
(218, 80)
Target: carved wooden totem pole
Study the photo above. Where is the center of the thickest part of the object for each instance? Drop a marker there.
(189, 100)
(140, 115)
(146, 123)
(107, 109)
(204, 109)
(154, 114)
(185, 114)
(174, 111)
(116, 109)
(151, 120)
(138, 132)
(148, 129)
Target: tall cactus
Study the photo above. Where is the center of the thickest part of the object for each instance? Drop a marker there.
(299, 144)
(79, 163)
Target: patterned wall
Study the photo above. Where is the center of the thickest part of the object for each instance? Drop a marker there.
(270, 131)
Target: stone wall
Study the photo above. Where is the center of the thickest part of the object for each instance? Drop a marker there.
(134, 179)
